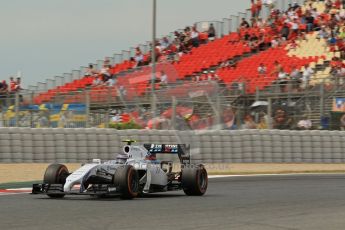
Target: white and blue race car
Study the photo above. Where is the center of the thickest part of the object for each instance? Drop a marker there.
(135, 171)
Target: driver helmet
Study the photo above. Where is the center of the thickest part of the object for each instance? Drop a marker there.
(122, 158)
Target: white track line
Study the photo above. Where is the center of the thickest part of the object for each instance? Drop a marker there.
(9, 194)
(18, 189)
(25, 190)
(278, 174)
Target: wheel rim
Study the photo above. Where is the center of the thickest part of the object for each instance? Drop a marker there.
(202, 180)
(62, 175)
(132, 182)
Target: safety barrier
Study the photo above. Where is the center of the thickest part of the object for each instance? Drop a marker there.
(25, 145)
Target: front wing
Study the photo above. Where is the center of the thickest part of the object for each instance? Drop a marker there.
(55, 189)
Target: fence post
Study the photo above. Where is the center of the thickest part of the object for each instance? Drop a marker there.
(222, 29)
(3, 123)
(322, 100)
(237, 21)
(16, 108)
(226, 26)
(289, 88)
(218, 114)
(107, 116)
(239, 114)
(173, 114)
(269, 113)
(32, 95)
(154, 109)
(87, 108)
(257, 94)
(230, 26)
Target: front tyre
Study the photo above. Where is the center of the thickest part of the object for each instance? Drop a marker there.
(55, 174)
(194, 180)
(126, 179)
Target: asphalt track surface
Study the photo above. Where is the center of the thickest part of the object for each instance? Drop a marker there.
(261, 202)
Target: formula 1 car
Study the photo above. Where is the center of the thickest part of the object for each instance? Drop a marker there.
(135, 171)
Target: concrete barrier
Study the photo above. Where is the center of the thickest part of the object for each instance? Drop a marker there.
(25, 145)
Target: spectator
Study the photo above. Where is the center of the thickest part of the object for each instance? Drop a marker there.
(13, 84)
(186, 37)
(261, 42)
(165, 43)
(194, 37)
(253, 9)
(249, 122)
(285, 32)
(323, 33)
(342, 123)
(269, 3)
(281, 120)
(328, 5)
(258, 7)
(338, 73)
(282, 80)
(3, 93)
(277, 68)
(262, 70)
(295, 27)
(295, 76)
(246, 37)
(293, 45)
(90, 71)
(115, 117)
(295, 6)
(18, 86)
(310, 22)
(110, 82)
(314, 13)
(275, 43)
(253, 43)
(139, 57)
(163, 79)
(341, 34)
(211, 32)
(105, 73)
(307, 73)
(97, 81)
(122, 91)
(262, 122)
(244, 24)
(3, 87)
(305, 123)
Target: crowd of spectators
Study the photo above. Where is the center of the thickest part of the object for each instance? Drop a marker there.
(172, 48)
(166, 49)
(105, 76)
(285, 28)
(281, 28)
(7, 90)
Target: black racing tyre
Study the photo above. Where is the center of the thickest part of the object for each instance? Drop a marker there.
(194, 180)
(55, 174)
(126, 179)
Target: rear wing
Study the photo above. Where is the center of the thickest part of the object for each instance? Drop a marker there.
(182, 150)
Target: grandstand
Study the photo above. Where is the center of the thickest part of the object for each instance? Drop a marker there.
(209, 75)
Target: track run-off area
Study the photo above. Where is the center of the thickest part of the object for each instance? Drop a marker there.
(295, 201)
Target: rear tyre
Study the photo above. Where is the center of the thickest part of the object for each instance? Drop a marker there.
(55, 174)
(126, 179)
(194, 180)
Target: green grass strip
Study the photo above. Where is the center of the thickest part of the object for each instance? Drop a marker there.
(27, 184)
